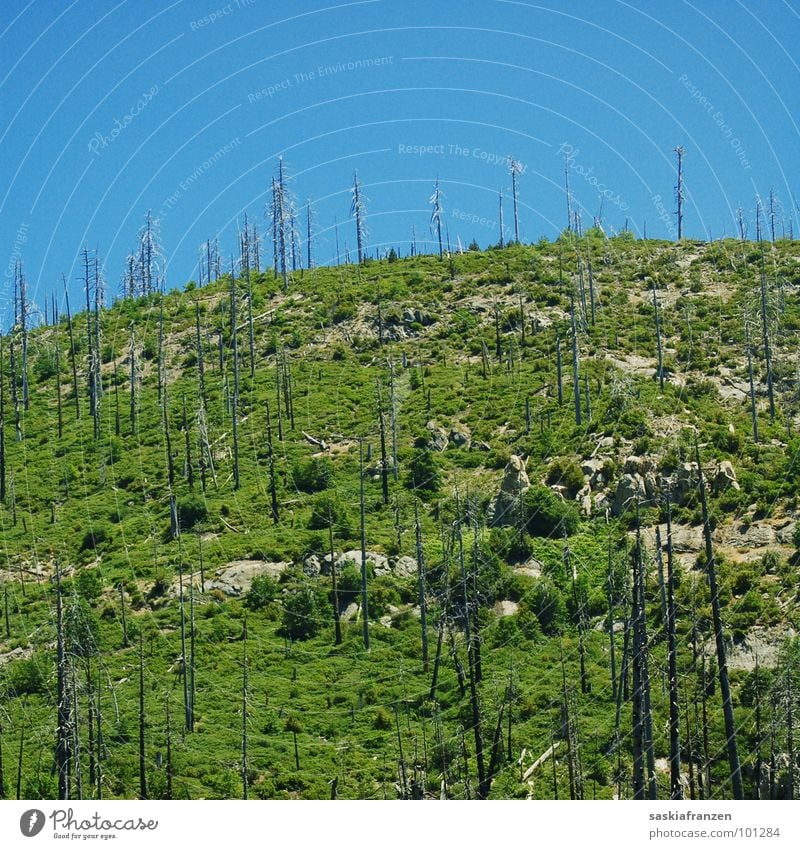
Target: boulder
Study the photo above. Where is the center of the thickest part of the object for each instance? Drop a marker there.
(515, 478)
(724, 477)
(460, 436)
(438, 437)
(312, 566)
(379, 563)
(403, 566)
(506, 608)
(504, 507)
(478, 445)
(237, 576)
(685, 481)
(631, 487)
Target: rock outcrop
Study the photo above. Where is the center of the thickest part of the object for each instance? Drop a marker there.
(504, 508)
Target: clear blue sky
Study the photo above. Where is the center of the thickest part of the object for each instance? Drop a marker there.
(113, 107)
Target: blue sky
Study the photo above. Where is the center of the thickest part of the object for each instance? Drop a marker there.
(109, 108)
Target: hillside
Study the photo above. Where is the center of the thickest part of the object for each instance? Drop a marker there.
(195, 516)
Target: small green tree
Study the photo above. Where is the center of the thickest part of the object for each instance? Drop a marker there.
(263, 591)
(301, 615)
(424, 473)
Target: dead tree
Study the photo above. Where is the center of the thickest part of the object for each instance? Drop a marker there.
(337, 625)
(271, 464)
(423, 606)
(235, 404)
(436, 215)
(72, 352)
(244, 713)
(358, 210)
(384, 459)
(679, 152)
(142, 761)
(364, 606)
(658, 336)
(23, 323)
(575, 378)
(64, 719)
(676, 788)
(515, 168)
(722, 661)
(559, 380)
(201, 378)
(766, 340)
(753, 410)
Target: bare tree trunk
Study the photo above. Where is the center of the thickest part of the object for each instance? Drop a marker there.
(72, 353)
(575, 379)
(722, 662)
(62, 744)
(364, 605)
(676, 789)
(337, 624)
(423, 605)
(245, 782)
(271, 461)
(142, 770)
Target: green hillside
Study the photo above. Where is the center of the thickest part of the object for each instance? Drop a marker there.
(455, 362)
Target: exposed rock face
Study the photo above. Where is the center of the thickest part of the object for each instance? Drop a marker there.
(631, 487)
(686, 480)
(504, 508)
(724, 477)
(515, 478)
(237, 577)
(312, 566)
(506, 608)
(379, 563)
(460, 436)
(401, 567)
(438, 439)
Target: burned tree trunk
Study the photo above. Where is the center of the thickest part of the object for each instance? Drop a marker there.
(722, 661)
(364, 606)
(423, 606)
(676, 789)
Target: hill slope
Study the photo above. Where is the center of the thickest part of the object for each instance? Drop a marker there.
(527, 493)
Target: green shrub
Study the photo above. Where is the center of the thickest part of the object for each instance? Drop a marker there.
(314, 475)
(546, 515)
(423, 471)
(301, 615)
(191, 510)
(89, 584)
(548, 604)
(326, 511)
(262, 592)
(565, 471)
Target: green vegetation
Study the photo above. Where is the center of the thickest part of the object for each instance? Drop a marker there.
(156, 541)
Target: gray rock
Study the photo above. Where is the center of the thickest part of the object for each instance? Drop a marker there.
(724, 477)
(438, 439)
(515, 478)
(237, 576)
(350, 612)
(379, 563)
(403, 566)
(504, 508)
(630, 488)
(478, 445)
(506, 608)
(311, 566)
(460, 436)
(685, 481)
(751, 536)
